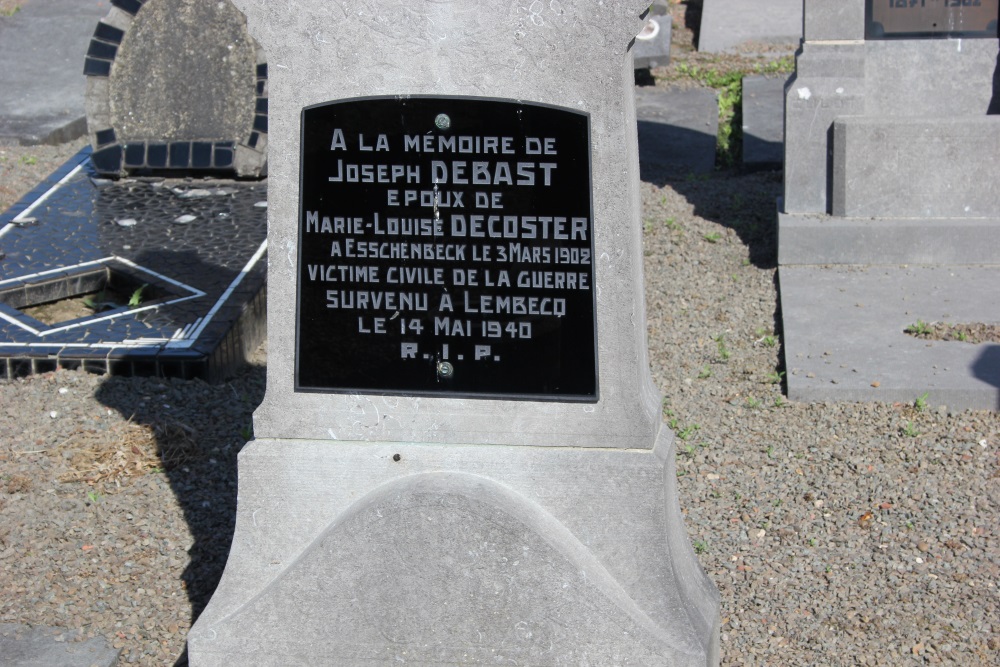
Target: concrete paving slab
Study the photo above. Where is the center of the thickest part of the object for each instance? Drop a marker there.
(677, 129)
(764, 121)
(728, 24)
(844, 334)
(42, 47)
(42, 646)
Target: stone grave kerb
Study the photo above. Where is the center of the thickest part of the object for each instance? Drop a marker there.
(569, 55)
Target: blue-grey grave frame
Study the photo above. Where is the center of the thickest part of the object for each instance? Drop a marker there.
(203, 257)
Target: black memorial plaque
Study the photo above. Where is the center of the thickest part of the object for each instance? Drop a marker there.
(446, 247)
(923, 19)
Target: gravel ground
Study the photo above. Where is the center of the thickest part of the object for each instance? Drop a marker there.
(838, 534)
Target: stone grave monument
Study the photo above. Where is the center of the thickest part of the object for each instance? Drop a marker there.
(889, 215)
(127, 260)
(652, 44)
(460, 457)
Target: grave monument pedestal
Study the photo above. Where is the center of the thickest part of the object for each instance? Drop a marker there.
(461, 492)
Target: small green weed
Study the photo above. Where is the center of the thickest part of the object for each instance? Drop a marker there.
(921, 402)
(700, 547)
(29, 160)
(136, 298)
(94, 496)
(247, 432)
(910, 430)
(962, 336)
(704, 373)
(775, 377)
(921, 328)
(770, 451)
(753, 403)
(769, 341)
(712, 237)
(780, 402)
(686, 432)
(724, 353)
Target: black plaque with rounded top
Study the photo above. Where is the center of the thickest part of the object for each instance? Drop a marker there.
(446, 247)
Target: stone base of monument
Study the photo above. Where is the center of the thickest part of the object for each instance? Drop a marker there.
(133, 276)
(377, 553)
(845, 340)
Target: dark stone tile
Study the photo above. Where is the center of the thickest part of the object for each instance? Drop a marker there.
(201, 155)
(135, 155)
(44, 365)
(130, 6)
(262, 71)
(18, 368)
(261, 106)
(103, 50)
(94, 67)
(180, 155)
(254, 136)
(156, 155)
(260, 123)
(108, 33)
(223, 157)
(108, 160)
(260, 87)
(105, 137)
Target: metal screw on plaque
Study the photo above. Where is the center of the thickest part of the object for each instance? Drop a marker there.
(445, 369)
(443, 122)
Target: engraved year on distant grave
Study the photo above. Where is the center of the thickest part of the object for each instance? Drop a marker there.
(923, 19)
(446, 247)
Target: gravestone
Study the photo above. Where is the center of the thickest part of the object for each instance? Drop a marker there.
(176, 85)
(890, 143)
(460, 457)
(652, 44)
(741, 25)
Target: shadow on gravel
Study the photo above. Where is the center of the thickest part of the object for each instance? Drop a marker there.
(744, 202)
(987, 367)
(199, 429)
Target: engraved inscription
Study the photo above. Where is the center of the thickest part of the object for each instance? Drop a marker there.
(910, 19)
(446, 247)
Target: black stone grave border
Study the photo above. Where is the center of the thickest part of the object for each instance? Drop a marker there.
(225, 322)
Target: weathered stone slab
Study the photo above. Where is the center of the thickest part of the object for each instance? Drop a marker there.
(41, 646)
(727, 25)
(176, 85)
(677, 129)
(845, 340)
(763, 121)
(652, 44)
(913, 167)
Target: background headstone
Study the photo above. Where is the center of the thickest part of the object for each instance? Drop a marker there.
(652, 44)
(889, 148)
(176, 85)
(416, 525)
(730, 25)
